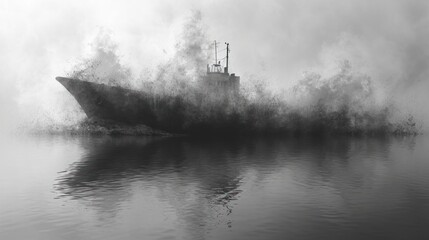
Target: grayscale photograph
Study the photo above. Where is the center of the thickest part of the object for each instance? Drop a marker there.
(214, 119)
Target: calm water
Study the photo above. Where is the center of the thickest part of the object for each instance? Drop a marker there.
(178, 188)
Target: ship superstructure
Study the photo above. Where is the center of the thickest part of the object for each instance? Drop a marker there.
(218, 77)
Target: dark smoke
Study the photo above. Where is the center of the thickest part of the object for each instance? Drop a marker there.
(344, 103)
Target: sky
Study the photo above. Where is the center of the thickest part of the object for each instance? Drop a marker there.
(276, 40)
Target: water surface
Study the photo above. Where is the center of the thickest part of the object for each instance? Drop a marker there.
(58, 187)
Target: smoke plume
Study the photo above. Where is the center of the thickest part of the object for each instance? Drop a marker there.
(360, 58)
(344, 102)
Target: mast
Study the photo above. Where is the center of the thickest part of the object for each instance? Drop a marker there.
(215, 51)
(227, 56)
(217, 67)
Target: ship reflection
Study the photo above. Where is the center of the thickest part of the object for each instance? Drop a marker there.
(199, 179)
(202, 179)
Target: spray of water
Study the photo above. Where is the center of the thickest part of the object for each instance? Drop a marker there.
(341, 103)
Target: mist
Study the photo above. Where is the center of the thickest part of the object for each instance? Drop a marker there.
(279, 42)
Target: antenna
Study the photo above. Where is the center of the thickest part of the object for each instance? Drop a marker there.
(227, 56)
(217, 66)
(215, 51)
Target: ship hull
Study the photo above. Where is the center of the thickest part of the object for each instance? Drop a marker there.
(104, 102)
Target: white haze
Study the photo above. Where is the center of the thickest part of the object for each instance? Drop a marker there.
(276, 40)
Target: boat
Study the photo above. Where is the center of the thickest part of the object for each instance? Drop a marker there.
(102, 102)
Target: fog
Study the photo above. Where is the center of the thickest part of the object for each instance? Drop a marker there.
(276, 41)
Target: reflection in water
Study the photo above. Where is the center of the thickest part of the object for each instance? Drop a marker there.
(175, 167)
(336, 188)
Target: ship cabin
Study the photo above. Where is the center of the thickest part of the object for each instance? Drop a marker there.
(218, 79)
